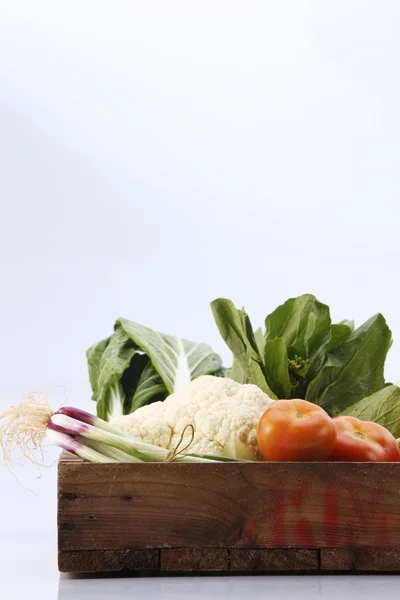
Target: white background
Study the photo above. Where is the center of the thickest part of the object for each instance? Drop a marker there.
(157, 154)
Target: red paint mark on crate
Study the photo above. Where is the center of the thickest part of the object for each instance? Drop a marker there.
(330, 508)
(358, 506)
(286, 524)
(331, 515)
(304, 533)
(279, 516)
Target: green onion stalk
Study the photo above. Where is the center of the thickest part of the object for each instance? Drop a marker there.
(28, 425)
(74, 446)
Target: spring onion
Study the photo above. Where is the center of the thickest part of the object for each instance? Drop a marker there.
(25, 426)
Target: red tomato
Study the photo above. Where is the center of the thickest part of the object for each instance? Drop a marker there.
(295, 430)
(360, 441)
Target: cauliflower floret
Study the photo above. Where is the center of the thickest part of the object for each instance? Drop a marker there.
(224, 415)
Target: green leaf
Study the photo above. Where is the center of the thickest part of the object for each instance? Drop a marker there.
(223, 372)
(237, 373)
(94, 355)
(302, 323)
(176, 360)
(112, 402)
(150, 388)
(339, 333)
(260, 340)
(383, 407)
(354, 368)
(349, 323)
(114, 361)
(132, 376)
(235, 328)
(276, 366)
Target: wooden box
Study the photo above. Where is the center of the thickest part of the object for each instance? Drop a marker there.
(228, 517)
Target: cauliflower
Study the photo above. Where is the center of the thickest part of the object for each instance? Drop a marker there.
(224, 415)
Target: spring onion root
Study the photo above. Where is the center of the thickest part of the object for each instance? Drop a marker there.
(24, 426)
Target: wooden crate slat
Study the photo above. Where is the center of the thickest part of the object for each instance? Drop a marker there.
(233, 560)
(360, 559)
(228, 505)
(194, 559)
(97, 561)
(273, 559)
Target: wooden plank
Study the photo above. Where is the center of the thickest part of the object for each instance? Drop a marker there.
(239, 560)
(277, 559)
(266, 505)
(360, 559)
(194, 559)
(96, 561)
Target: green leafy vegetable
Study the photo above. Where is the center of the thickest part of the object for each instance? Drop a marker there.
(108, 360)
(150, 388)
(222, 372)
(176, 360)
(304, 355)
(94, 355)
(300, 355)
(354, 368)
(339, 333)
(277, 369)
(299, 369)
(236, 372)
(302, 326)
(236, 329)
(133, 376)
(302, 323)
(382, 407)
(260, 340)
(137, 366)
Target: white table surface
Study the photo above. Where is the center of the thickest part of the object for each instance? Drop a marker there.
(230, 588)
(47, 584)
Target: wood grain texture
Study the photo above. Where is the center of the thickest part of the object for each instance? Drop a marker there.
(273, 559)
(97, 561)
(360, 559)
(227, 505)
(194, 559)
(233, 560)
